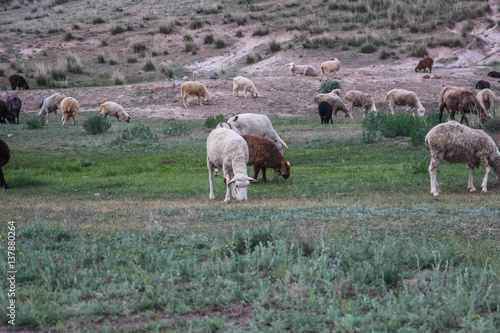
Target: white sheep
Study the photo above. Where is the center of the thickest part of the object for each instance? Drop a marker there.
(330, 66)
(228, 126)
(400, 97)
(51, 104)
(487, 98)
(194, 89)
(228, 151)
(335, 101)
(458, 143)
(360, 99)
(115, 110)
(69, 109)
(302, 70)
(257, 124)
(247, 85)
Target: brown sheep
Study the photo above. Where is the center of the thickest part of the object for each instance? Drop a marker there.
(194, 89)
(456, 99)
(4, 159)
(456, 143)
(263, 154)
(69, 108)
(426, 62)
(18, 81)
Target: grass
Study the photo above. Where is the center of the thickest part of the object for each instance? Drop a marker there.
(120, 230)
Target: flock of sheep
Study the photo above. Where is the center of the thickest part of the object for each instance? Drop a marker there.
(250, 139)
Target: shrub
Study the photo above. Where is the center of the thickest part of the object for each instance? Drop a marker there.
(118, 78)
(274, 46)
(168, 71)
(167, 29)
(104, 42)
(262, 31)
(98, 20)
(139, 47)
(100, 59)
(368, 48)
(35, 122)
(239, 33)
(213, 121)
(417, 164)
(112, 62)
(240, 20)
(419, 50)
(117, 30)
(96, 124)
(245, 242)
(131, 60)
(208, 39)
(149, 66)
(220, 43)
(187, 38)
(196, 24)
(68, 36)
(138, 132)
(190, 47)
(74, 64)
(177, 129)
(328, 86)
(492, 125)
(250, 59)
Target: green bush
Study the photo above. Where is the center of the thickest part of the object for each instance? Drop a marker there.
(239, 34)
(138, 132)
(96, 124)
(220, 43)
(98, 20)
(190, 47)
(139, 47)
(196, 24)
(100, 59)
(68, 36)
(274, 46)
(368, 48)
(250, 59)
(177, 129)
(492, 125)
(213, 121)
(149, 66)
(168, 71)
(328, 86)
(417, 164)
(208, 39)
(131, 60)
(35, 122)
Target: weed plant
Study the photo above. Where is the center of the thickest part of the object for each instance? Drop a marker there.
(138, 132)
(149, 66)
(274, 46)
(139, 47)
(101, 59)
(190, 47)
(219, 43)
(35, 122)
(492, 125)
(328, 86)
(96, 124)
(68, 36)
(213, 121)
(118, 78)
(177, 128)
(132, 60)
(208, 39)
(196, 24)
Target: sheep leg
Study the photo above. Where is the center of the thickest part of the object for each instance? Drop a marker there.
(2, 180)
(256, 170)
(184, 101)
(229, 188)
(211, 179)
(264, 179)
(486, 166)
(441, 108)
(235, 91)
(470, 183)
(433, 166)
(74, 119)
(391, 109)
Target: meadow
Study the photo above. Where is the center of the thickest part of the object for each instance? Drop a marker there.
(115, 233)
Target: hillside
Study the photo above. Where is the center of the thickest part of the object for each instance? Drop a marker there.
(100, 50)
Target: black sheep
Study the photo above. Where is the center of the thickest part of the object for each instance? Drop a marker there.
(5, 115)
(18, 81)
(481, 84)
(494, 74)
(325, 112)
(4, 159)
(14, 105)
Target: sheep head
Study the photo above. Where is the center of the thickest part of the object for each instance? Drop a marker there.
(240, 186)
(421, 111)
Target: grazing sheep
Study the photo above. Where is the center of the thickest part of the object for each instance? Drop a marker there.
(487, 98)
(456, 99)
(457, 143)
(335, 102)
(247, 85)
(18, 81)
(115, 110)
(482, 84)
(360, 99)
(14, 105)
(228, 151)
(404, 98)
(263, 154)
(494, 74)
(5, 114)
(69, 109)
(194, 89)
(4, 159)
(302, 70)
(332, 65)
(51, 104)
(257, 124)
(426, 62)
(228, 126)
(325, 112)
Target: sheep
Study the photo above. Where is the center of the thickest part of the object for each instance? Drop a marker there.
(4, 159)
(5, 114)
(247, 85)
(456, 99)
(424, 63)
(229, 126)
(332, 65)
(40, 102)
(457, 143)
(302, 70)
(325, 112)
(14, 105)
(404, 98)
(257, 124)
(51, 104)
(482, 84)
(18, 81)
(113, 109)
(263, 154)
(360, 99)
(487, 98)
(194, 89)
(335, 102)
(494, 74)
(228, 151)
(69, 109)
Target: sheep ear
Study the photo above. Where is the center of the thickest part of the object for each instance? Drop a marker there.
(251, 180)
(230, 182)
(283, 170)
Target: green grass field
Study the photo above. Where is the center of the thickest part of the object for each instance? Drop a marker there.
(116, 234)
